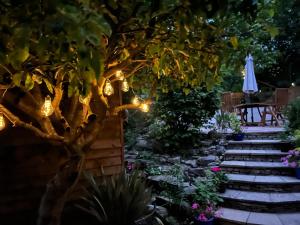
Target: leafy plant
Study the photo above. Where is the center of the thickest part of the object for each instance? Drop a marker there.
(174, 191)
(293, 114)
(118, 200)
(292, 159)
(223, 120)
(235, 123)
(178, 115)
(217, 176)
(206, 193)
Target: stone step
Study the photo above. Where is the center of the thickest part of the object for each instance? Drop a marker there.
(231, 216)
(259, 144)
(254, 155)
(263, 135)
(263, 183)
(261, 201)
(256, 168)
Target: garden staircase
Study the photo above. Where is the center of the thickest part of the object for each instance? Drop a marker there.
(261, 189)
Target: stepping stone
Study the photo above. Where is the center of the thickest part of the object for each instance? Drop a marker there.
(269, 179)
(263, 219)
(254, 152)
(262, 196)
(257, 142)
(253, 164)
(261, 201)
(236, 216)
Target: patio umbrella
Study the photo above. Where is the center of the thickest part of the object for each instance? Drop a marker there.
(250, 85)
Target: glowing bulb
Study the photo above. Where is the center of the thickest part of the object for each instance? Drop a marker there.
(47, 108)
(293, 84)
(119, 75)
(125, 86)
(244, 72)
(144, 107)
(108, 88)
(2, 122)
(136, 101)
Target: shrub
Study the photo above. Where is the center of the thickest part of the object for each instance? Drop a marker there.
(118, 200)
(177, 117)
(293, 114)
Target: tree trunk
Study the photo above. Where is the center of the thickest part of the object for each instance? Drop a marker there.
(57, 191)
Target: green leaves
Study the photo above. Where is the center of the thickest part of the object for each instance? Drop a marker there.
(29, 83)
(18, 56)
(274, 31)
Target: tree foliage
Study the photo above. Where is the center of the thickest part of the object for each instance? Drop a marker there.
(69, 49)
(177, 118)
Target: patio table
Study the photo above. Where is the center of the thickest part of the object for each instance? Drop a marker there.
(242, 110)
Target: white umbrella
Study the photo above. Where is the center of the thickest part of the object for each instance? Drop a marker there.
(250, 85)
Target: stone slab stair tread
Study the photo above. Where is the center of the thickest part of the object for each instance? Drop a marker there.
(261, 197)
(251, 218)
(259, 179)
(254, 152)
(256, 141)
(252, 164)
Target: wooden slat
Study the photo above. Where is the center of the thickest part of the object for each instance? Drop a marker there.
(107, 171)
(103, 162)
(102, 153)
(107, 143)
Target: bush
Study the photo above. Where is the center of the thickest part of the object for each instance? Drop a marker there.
(293, 114)
(118, 200)
(177, 117)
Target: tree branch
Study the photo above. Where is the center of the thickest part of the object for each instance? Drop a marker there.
(16, 121)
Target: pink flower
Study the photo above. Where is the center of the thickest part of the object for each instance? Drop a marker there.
(209, 209)
(195, 206)
(202, 217)
(216, 169)
(293, 164)
(285, 162)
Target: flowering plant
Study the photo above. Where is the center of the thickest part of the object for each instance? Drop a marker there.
(292, 159)
(205, 213)
(217, 176)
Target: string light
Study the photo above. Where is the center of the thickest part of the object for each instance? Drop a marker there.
(119, 75)
(125, 86)
(144, 107)
(108, 88)
(2, 122)
(135, 101)
(47, 108)
(244, 73)
(293, 84)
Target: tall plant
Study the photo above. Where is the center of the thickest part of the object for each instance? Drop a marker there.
(178, 116)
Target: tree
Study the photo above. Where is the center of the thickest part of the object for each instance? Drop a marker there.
(58, 59)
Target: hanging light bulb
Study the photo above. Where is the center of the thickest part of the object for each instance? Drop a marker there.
(144, 107)
(108, 88)
(47, 108)
(135, 101)
(125, 86)
(244, 73)
(2, 122)
(119, 75)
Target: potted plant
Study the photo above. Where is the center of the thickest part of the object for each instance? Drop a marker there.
(235, 125)
(205, 214)
(219, 178)
(293, 160)
(206, 200)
